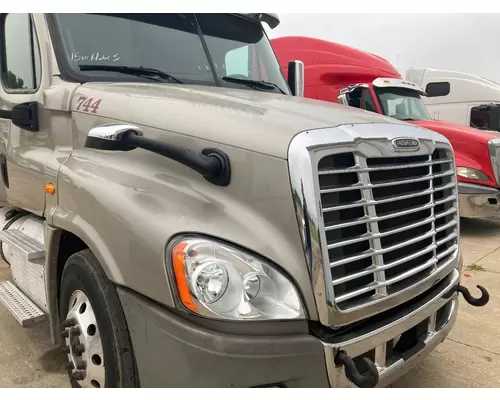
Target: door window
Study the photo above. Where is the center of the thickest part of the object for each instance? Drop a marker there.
(21, 63)
(368, 103)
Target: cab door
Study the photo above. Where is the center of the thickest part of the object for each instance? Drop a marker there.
(24, 152)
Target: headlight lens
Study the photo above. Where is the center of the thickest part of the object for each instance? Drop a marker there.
(472, 173)
(219, 281)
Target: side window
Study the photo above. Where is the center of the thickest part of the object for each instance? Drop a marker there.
(437, 89)
(354, 98)
(21, 61)
(368, 103)
(237, 61)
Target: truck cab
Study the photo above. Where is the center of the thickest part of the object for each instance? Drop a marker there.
(181, 215)
(459, 97)
(338, 73)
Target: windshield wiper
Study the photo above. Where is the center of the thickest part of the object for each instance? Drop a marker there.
(252, 83)
(136, 71)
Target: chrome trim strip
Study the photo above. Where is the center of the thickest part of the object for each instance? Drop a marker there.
(113, 132)
(473, 189)
(369, 140)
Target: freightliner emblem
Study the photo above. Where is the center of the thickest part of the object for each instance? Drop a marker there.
(406, 144)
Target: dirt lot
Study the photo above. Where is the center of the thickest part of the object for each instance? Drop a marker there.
(470, 357)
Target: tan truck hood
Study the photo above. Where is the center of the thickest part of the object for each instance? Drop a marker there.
(258, 121)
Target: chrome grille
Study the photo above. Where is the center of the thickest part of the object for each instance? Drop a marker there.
(389, 222)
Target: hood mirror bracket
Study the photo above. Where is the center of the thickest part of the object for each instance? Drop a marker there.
(213, 164)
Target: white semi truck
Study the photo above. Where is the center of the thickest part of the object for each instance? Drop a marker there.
(459, 97)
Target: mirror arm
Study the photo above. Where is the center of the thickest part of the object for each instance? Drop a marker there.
(212, 164)
(6, 114)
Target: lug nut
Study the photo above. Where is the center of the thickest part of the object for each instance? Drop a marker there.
(65, 350)
(79, 349)
(78, 375)
(70, 366)
(75, 331)
(81, 365)
(69, 322)
(64, 334)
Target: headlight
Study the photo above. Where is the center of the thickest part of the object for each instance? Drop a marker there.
(472, 173)
(219, 281)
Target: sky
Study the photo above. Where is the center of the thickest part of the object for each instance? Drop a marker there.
(462, 42)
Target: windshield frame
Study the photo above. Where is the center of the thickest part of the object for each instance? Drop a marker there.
(70, 74)
(396, 91)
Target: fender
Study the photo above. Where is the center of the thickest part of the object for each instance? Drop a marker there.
(126, 206)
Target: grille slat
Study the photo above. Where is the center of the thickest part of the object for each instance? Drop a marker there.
(380, 235)
(388, 282)
(447, 252)
(451, 211)
(446, 239)
(450, 224)
(356, 186)
(375, 202)
(446, 200)
(374, 268)
(381, 251)
(388, 222)
(357, 168)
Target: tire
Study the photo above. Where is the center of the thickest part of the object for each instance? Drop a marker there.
(100, 327)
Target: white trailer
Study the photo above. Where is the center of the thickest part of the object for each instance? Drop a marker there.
(458, 97)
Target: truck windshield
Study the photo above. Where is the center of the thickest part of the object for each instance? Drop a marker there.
(402, 104)
(200, 49)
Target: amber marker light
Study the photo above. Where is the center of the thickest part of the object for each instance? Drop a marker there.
(178, 258)
(50, 188)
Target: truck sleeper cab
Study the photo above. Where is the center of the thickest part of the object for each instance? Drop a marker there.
(141, 189)
(342, 74)
(459, 97)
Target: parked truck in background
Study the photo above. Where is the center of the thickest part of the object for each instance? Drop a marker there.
(338, 73)
(185, 218)
(458, 97)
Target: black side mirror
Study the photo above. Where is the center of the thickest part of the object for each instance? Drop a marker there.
(24, 115)
(296, 77)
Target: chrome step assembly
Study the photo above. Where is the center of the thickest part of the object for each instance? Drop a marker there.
(20, 306)
(21, 240)
(27, 245)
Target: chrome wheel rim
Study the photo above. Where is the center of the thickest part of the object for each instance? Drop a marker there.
(83, 343)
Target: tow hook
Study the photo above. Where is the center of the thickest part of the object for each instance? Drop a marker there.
(481, 301)
(367, 380)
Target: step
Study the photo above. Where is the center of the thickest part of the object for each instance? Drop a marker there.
(20, 306)
(30, 247)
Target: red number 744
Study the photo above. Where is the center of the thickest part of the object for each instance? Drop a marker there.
(88, 103)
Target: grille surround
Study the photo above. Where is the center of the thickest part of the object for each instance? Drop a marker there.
(365, 142)
(494, 150)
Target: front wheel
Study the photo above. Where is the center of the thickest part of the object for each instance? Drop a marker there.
(94, 328)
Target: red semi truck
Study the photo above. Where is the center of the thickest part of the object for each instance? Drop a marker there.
(338, 73)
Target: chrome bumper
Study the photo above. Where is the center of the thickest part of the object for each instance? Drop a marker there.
(436, 314)
(478, 201)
